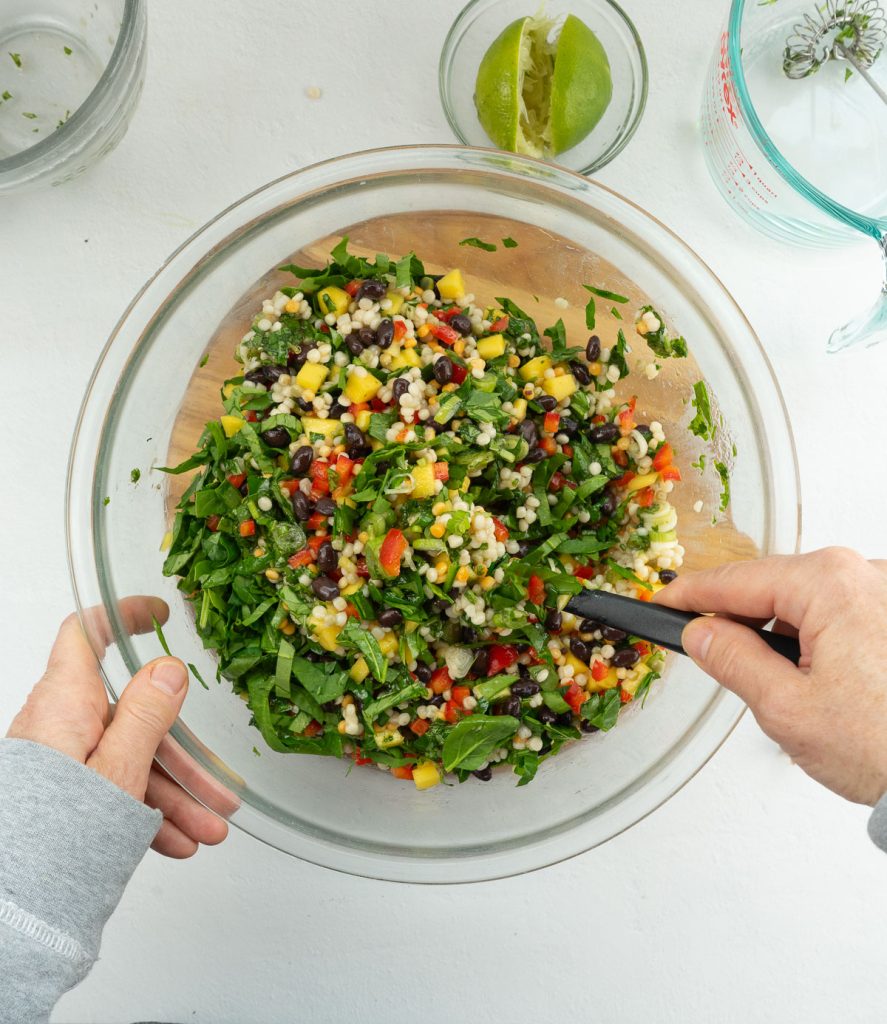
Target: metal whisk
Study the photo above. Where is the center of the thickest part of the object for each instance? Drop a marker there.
(851, 30)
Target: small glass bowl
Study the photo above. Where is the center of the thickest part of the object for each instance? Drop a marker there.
(482, 21)
(71, 73)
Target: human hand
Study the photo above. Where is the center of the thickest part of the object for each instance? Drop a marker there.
(68, 710)
(830, 712)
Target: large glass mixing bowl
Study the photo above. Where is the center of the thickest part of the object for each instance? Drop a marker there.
(150, 395)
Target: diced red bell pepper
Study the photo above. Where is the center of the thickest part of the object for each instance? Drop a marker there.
(585, 572)
(669, 473)
(250, 416)
(445, 334)
(548, 445)
(400, 329)
(625, 696)
(642, 647)
(316, 520)
(644, 497)
(442, 471)
(500, 530)
(392, 551)
(599, 418)
(643, 594)
(448, 314)
(419, 726)
(300, 558)
(247, 528)
(620, 457)
(451, 712)
(459, 373)
(236, 480)
(404, 771)
(359, 758)
(290, 486)
(312, 728)
(497, 326)
(502, 656)
(324, 328)
(212, 523)
(664, 457)
(377, 405)
(567, 449)
(551, 422)
(558, 481)
(536, 590)
(626, 419)
(460, 693)
(625, 479)
(353, 287)
(357, 407)
(344, 469)
(575, 696)
(599, 671)
(316, 542)
(361, 568)
(440, 680)
(350, 610)
(319, 473)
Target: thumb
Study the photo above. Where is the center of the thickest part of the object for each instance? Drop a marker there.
(142, 717)
(738, 659)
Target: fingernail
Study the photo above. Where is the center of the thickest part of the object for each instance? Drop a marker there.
(169, 676)
(697, 640)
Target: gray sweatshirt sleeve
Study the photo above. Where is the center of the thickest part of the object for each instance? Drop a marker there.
(69, 842)
(878, 823)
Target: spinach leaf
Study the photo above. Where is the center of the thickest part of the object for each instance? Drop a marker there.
(471, 742)
(355, 636)
(373, 709)
(525, 764)
(602, 709)
(321, 679)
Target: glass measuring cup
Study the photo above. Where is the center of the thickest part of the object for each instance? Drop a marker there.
(804, 161)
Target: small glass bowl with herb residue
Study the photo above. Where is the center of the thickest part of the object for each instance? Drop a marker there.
(70, 76)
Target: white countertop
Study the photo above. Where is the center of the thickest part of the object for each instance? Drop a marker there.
(753, 894)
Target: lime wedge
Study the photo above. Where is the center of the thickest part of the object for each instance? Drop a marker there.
(539, 91)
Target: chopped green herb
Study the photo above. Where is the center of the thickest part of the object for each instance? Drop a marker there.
(602, 293)
(158, 629)
(702, 424)
(6, 95)
(204, 360)
(476, 243)
(509, 243)
(16, 59)
(699, 463)
(106, 501)
(68, 50)
(848, 74)
(29, 115)
(590, 313)
(615, 312)
(724, 474)
(199, 677)
(135, 475)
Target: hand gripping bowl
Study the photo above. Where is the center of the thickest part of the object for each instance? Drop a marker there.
(149, 397)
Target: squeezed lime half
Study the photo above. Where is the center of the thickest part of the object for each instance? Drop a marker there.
(542, 85)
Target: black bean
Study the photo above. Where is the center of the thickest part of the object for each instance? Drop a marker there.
(626, 658)
(385, 333)
(644, 430)
(554, 621)
(325, 505)
(608, 505)
(667, 575)
(546, 715)
(301, 508)
(437, 700)
(336, 410)
(266, 375)
(439, 605)
(355, 442)
(276, 437)
(580, 372)
(523, 548)
(366, 336)
(467, 635)
(374, 290)
(587, 726)
(313, 656)
(461, 323)
(304, 404)
(529, 432)
(525, 688)
(509, 706)
(536, 455)
(604, 433)
(353, 344)
(244, 488)
(327, 558)
(443, 370)
(548, 402)
(568, 425)
(588, 626)
(612, 634)
(390, 617)
(296, 360)
(566, 719)
(400, 387)
(581, 650)
(593, 349)
(325, 588)
(484, 774)
(481, 662)
(423, 672)
(301, 460)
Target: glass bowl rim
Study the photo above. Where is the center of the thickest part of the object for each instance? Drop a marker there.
(451, 43)
(483, 866)
(77, 124)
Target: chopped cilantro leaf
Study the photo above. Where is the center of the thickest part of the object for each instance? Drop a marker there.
(135, 475)
(602, 293)
(16, 59)
(106, 501)
(702, 424)
(476, 243)
(68, 50)
(204, 360)
(724, 474)
(29, 115)
(590, 313)
(509, 243)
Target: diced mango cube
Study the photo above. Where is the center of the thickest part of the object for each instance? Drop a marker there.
(607, 683)
(312, 375)
(579, 667)
(633, 680)
(362, 419)
(406, 357)
(642, 481)
(232, 425)
(333, 300)
(352, 588)
(426, 774)
(423, 481)
(386, 738)
(490, 348)
(560, 387)
(228, 390)
(520, 409)
(534, 369)
(328, 428)
(388, 643)
(328, 637)
(396, 303)
(359, 670)
(451, 285)
(361, 388)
